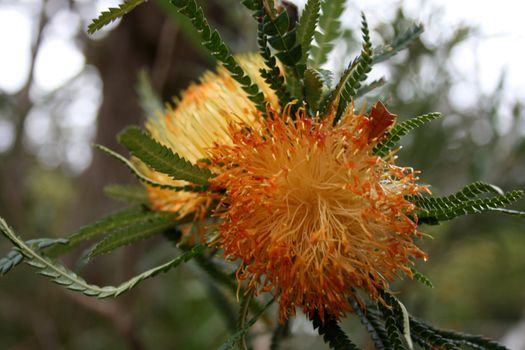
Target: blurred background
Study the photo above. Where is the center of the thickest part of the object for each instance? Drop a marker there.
(62, 90)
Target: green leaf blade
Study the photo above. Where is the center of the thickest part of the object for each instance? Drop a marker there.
(400, 130)
(155, 224)
(218, 49)
(330, 25)
(306, 27)
(332, 334)
(112, 14)
(61, 275)
(161, 158)
(398, 44)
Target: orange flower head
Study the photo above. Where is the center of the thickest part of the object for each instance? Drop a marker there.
(311, 212)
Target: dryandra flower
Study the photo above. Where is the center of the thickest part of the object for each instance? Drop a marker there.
(312, 213)
(305, 206)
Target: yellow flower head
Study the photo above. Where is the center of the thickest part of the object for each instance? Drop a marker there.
(312, 213)
(202, 117)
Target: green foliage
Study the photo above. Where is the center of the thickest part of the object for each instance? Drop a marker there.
(330, 29)
(398, 44)
(306, 27)
(373, 325)
(469, 340)
(394, 135)
(112, 14)
(150, 225)
(213, 42)
(370, 87)
(418, 276)
(466, 201)
(62, 276)
(272, 76)
(283, 40)
(15, 256)
(313, 86)
(332, 334)
(352, 77)
(161, 158)
(127, 193)
(390, 313)
(280, 35)
(138, 174)
(233, 340)
(150, 103)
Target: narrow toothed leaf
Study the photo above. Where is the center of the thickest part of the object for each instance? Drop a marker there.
(61, 275)
(306, 27)
(450, 210)
(138, 174)
(113, 14)
(218, 49)
(313, 86)
(394, 135)
(330, 30)
(126, 235)
(127, 193)
(374, 326)
(15, 255)
(418, 276)
(332, 334)
(352, 77)
(161, 158)
(398, 44)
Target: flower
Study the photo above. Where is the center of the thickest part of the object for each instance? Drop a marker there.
(308, 209)
(312, 213)
(202, 117)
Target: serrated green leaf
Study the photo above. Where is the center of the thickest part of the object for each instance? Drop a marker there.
(374, 325)
(418, 276)
(330, 25)
(471, 206)
(127, 193)
(216, 47)
(112, 14)
(126, 235)
(313, 87)
(394, 322)
(432, 337)
(351, 79)
(306, 27)
(399, 130)
(332, 334)
(370, 87)
(161, 158)
(15, 256)
(60, 274)
(138, 174)
(398, 44)
(108, 224)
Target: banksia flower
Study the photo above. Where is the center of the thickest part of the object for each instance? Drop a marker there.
(312, 213)
(306, 206)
